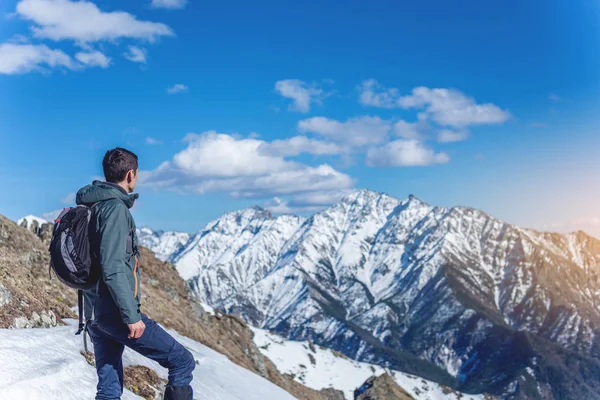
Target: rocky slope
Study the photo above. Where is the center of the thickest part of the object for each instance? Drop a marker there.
(29, 298)
(450, 294)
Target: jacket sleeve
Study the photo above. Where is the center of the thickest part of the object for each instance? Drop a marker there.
(113, 231)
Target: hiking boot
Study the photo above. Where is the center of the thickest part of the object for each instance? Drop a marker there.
(178, 393)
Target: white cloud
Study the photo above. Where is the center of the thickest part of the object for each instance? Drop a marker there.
(358, 131)
(408, 130)
(321, 198)
(404, 153)
(135, 54)
(216, 162)
(84, 22)
(22, 58)
(298, 145)
(152, 141)
(68, 199)
(212, 154)
(18, 38)
(372, 93)
(171, 4)
(301, 94)
(279, 205)
(447, 107)
(450, 107)
(177, 88)
(80, 21)
(93, 59)
(306, 202)
(288, 182)
(450, 136)
(52, 215)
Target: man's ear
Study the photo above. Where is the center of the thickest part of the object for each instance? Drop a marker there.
(130, 175)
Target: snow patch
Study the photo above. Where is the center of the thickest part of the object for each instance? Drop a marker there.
(46, 364)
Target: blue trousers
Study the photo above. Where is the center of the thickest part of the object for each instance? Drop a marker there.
(109, 341)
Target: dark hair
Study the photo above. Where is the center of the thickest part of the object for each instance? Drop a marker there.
(117, 162)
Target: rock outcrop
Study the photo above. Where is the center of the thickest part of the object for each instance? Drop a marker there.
(382, 387)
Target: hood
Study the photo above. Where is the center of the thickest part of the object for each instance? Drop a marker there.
(101, 191)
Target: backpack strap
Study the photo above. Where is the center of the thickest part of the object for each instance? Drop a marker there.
(80, 306)
(93, 210)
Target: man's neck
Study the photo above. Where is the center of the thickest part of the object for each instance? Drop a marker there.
(122, 185)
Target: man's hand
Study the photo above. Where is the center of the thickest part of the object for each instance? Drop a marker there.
(136, 330)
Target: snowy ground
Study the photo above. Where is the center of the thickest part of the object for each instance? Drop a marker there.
(46, 364)
(329, 370)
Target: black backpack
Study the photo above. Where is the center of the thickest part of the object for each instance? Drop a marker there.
(71, 256)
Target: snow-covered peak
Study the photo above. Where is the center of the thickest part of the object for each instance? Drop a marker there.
(356, 206)
(144, 230)
(29, 220)
(362, 196)
(252, 233)
(165, 245)
(249, 213)
(414, 201)
(239, 218)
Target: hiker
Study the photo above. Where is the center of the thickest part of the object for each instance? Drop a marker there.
(112, 306)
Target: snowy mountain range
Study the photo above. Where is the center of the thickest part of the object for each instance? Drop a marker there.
(449, 294)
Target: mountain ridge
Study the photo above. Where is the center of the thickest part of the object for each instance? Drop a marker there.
(404, 283)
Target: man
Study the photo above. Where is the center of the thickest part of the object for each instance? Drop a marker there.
(112, 307)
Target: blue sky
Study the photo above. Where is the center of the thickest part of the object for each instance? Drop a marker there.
(291, 105)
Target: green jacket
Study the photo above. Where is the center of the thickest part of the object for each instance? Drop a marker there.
(114, 243)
